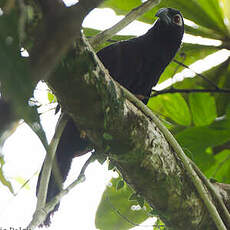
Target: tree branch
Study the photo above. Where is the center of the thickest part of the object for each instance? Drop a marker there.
(142, 149)
(197, 181)
(130, 17)
(149, 154)
(198, 74)
(56, 35)
(174, 90)
(40, 213)
(46, 171)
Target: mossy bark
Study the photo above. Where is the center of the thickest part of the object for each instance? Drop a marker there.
(131, 140)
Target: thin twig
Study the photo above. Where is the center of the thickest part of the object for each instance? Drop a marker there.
(40, 214)
(42, 193)
(214, 193)
(130, 17)
(174, 90)
(198, 74)
(183, 55)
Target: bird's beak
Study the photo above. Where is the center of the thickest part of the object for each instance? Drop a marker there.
(163, 15)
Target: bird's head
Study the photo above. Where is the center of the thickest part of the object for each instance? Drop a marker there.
(170, 23)
(170, 17)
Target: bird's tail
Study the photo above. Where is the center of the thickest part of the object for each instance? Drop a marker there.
(72, 143)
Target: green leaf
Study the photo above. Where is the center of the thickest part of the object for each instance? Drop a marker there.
(22, 182)
(114, 204)
(203, 108)
(159, 225)
(107, 136)
(219, 75)
(222, 74)
(120, 6)
(51, 97)
(16, 83)
(213, 8)
(3, 179)
(196, 140)
(198, 30)
(205, 13)
(173, 106)
(141, 201)
(133, 196)
(226, 10)
(120, 184)
(111, 165)
(220, 170)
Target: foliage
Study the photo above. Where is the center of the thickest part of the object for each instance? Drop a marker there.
(199, 121)
(115, 204)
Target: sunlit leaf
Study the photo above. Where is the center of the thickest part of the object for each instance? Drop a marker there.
(22, 182)
(173, 106)
(220, 170)
(202, 15)
(114, 205)
(226, 10)
(3, 179)
(51, 97)
(120, 184)
(203, 108)
(196, 140)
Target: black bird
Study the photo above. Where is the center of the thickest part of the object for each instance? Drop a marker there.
(137, 65)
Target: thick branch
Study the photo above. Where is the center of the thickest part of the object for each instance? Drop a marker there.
(142, 153)
(56, 35)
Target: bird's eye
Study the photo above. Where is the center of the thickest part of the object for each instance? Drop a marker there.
(177, 20)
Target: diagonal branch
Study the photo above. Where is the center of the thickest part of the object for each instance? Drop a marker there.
(40, 213)
(47, 167)
(198, 74)
(174, 90)
(130, 17)
(145, 146)
(56, 35)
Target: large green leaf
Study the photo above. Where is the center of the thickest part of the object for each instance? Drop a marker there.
(173, 106)
(196, 140)
(198, 30)
(220, 170)
(205, 13)
(203, 108)
(223, 100)
(213, 8)
(114, 202)
(120, 6)
(226, 10)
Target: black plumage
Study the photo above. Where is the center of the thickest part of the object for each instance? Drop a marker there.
(137, 65)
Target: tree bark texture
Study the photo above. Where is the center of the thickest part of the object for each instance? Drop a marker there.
(130, 138)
